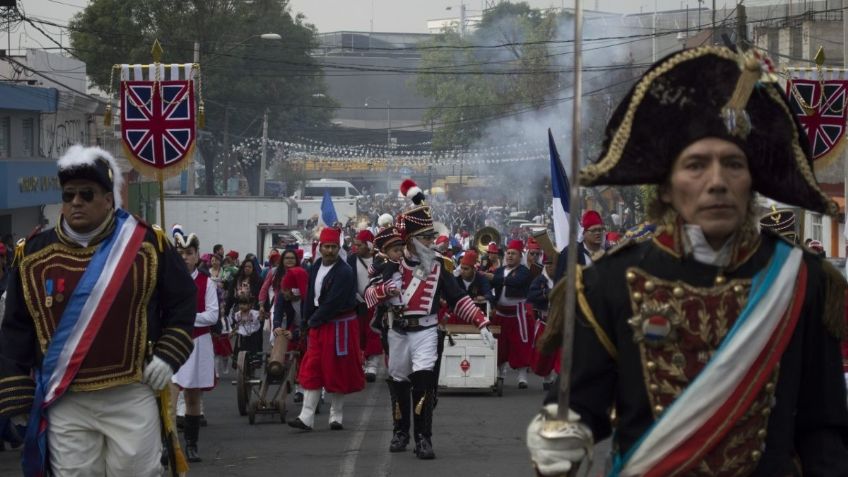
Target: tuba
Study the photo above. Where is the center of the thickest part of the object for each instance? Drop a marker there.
(485, 235)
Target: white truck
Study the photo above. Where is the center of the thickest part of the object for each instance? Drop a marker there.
(244, 224)
(309, 198)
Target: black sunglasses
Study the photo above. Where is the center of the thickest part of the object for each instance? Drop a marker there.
(86, 195)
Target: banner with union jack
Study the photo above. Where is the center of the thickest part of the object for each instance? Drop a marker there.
(818, 99)
(158, 121)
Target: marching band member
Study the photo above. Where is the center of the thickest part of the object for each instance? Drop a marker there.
(197, 374)
(109, 290)
(413, 337)
(472, 282)
(510, 284)
(544, 365)
(333, 360)
(717, 345)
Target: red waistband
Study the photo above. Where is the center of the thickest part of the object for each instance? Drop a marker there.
(201, 331)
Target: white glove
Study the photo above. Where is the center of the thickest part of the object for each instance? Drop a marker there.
(157, 374)
(556, 446)
(20, 420)
(488, 338)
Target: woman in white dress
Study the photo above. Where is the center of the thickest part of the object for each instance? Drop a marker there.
(198, 372)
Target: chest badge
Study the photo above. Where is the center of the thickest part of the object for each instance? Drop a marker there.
(655, 325)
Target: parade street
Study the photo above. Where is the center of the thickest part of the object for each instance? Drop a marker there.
(474, 434)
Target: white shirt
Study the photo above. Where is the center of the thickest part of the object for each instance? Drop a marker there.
(362, 265)
(319, 280)
(248, 322)
(504, 300)
(210, 316)
(702, 251)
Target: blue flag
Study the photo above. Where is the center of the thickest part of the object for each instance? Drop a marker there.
(561, 194)
(328, 210)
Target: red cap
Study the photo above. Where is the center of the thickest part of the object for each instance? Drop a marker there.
(613, 237)
(492, 248)
(274, 256)
(233, 254)
(365, 235)
(469, 258)
(330, 235)
(590, 219)
(532, 244)
(515, 245)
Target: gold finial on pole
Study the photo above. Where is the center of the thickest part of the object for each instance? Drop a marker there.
(820, 57)
(156, 51)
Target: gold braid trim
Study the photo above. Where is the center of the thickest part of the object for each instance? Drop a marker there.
(834, 301)
(552, 336)
(19, 251)
(161, 237)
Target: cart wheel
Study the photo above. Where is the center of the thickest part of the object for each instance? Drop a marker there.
(251, 412)
(499, 387)
(243, 383)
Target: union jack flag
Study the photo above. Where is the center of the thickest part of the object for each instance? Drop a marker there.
(158, 123)
(820, 106)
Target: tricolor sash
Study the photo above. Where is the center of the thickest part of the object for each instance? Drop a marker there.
(709, 407)
(87, 307)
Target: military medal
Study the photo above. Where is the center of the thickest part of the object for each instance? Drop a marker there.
(48, 290)
(60, 289)
(656, 328)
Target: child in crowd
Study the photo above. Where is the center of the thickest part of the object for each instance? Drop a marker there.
(247, 326)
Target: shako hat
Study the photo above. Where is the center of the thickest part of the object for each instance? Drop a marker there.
(705, 92)
(781, 221)
(93, 164)
(387, 237)
(418, 220)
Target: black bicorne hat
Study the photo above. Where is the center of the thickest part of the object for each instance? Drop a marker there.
(709, 92)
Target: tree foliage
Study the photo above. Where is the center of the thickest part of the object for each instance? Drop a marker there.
(242, 73)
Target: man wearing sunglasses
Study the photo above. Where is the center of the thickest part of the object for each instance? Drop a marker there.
(591, 246)
(100, 312)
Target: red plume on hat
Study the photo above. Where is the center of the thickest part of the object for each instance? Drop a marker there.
(411, 191)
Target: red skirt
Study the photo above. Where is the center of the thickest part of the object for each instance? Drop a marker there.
(369, 339)
(514, 343)
(221, 345)
(542, 364)
(333, 359)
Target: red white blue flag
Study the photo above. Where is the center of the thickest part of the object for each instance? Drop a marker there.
(819, 99)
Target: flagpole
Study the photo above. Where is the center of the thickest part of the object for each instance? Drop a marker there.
(574, 210)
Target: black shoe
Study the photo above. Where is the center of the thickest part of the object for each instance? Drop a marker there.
(180, 422)
(522, 385)
(399, 442)
(203, 421)
(298, 424)
(191, 453)
(298, 397)
(336, 426)
(424, 449)
(370, 377)
(164, 460)
(546, 386)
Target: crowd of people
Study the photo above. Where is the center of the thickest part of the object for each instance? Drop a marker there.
(706, 341)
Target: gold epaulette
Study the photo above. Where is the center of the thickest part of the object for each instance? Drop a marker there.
(161, 237)
(19, 251)
(834, 301)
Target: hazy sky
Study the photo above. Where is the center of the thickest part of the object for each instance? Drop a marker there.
(409, 16)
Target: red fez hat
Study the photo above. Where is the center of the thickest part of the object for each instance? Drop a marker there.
(233, 254)
(532, 244)
(515, 245)
(469, 258)
(590, 219)
(492, 248)
(365, 235)
(330, 235)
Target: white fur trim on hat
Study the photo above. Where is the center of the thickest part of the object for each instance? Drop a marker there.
(78, 155)
(385, 220)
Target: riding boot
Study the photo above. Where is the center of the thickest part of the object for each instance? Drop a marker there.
(399, 391)
(423, 394)
(191, 433)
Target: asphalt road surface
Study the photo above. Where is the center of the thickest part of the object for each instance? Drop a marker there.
(474, 434)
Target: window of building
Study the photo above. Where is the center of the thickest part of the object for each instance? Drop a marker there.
(28, 137)
(5, 137)
(816, 232)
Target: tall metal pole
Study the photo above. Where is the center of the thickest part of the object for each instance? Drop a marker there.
(190, 186)
(264, 158)
(574, 210)
(461, 19)
(389, 121)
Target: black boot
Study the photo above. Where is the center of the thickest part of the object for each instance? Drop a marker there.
(191, 433)
(423, 398)
(399, 392)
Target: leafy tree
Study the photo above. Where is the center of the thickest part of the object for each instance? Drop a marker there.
(242, 73)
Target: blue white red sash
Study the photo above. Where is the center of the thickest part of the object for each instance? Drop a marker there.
(87, 307)
(708, 409)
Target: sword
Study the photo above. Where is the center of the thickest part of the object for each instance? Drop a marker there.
(573, 211)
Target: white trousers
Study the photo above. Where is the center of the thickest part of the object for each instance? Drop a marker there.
(109, 432)
(411, 352)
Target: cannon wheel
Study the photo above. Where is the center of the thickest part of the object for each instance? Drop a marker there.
(243, 384)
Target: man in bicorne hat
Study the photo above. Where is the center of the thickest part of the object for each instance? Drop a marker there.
(716, 344)
(99, 315)
(333, 359)
(361, 263)
(510, 284)
(425, 278)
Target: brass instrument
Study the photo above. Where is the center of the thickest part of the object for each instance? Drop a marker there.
(485, 235)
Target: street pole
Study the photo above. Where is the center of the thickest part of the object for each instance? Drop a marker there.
(461, 19)
(190, 182)
(389, 121)
(226, 148)
(264, 158)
